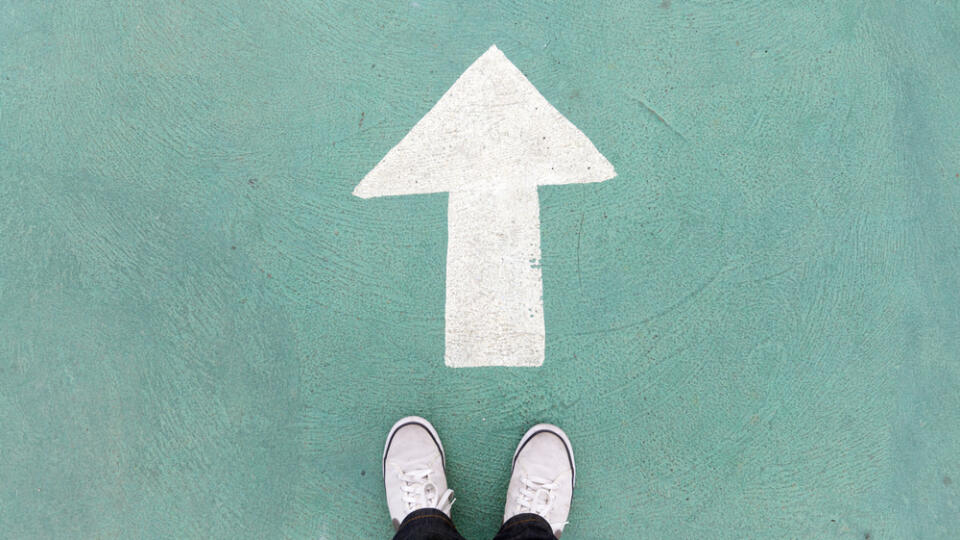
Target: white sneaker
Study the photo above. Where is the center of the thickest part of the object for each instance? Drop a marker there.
(543, 476)
(413, 473)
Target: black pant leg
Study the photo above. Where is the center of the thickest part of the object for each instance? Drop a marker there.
(427, 524)
(526, 527)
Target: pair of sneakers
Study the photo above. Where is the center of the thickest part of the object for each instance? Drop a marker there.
(541, 481)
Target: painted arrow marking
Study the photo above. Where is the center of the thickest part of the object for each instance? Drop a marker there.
(489, 142)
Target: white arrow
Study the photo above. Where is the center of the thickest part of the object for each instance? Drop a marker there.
(489, 142)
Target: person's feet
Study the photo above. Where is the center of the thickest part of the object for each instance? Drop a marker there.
(543, 476)
(413, 469)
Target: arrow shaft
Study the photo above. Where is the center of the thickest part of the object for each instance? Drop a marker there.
(494, 305)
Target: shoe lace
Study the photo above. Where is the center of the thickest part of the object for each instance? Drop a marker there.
(536, 497)
(419, 491)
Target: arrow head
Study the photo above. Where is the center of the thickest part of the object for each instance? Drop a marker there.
(491, 129)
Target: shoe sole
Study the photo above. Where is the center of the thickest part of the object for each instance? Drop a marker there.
(547, 428)
(418, 421)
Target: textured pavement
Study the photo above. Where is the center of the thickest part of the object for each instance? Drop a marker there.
(751, 332)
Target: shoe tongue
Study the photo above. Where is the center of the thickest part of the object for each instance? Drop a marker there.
(541, 498)
(430, 494)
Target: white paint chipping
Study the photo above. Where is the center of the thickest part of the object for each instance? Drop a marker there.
(489, 142)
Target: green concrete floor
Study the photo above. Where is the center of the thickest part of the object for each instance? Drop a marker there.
(752, 332)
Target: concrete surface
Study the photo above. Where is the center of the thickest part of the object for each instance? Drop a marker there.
(752, 332)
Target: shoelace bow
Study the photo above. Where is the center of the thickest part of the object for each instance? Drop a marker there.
(536, 497)
(419, 491)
